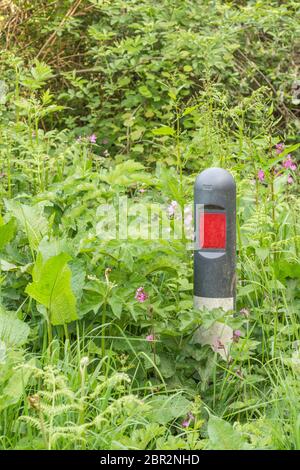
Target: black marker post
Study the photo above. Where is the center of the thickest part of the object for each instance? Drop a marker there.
(215, 241)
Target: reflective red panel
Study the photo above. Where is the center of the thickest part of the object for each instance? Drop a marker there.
(213, 232)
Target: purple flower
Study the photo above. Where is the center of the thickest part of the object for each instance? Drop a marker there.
(172, 208)
(290, 179)
(187, 421)
(261, 175)
(236, 336)
(150, 338)
(279, 148)
(93, 138)
(140, 295)
(288, 162)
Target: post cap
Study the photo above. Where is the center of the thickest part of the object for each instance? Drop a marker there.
(217, 177)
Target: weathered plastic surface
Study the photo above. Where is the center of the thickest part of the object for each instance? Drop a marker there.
(215, 254)
(214, 268)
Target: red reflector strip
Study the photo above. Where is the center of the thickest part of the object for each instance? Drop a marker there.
(212, 230)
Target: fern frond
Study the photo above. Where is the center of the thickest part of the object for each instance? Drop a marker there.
(111, 382)
(34, 422)
(49, 410)
(72, 428)
(64, 393)
(123, 402)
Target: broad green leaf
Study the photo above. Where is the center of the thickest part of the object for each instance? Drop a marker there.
(15, 387)
(13, 332)
(173, 94)
(78, 277)
(245, 290)
(48, 248)
(222, 436)
(40, 73)
(262, 253)
(144, 91)
(51, 287)
(168, 182)
(167, 408)
(167, 366)
(137, 133)
(189, 110)
(287, 268)
(31, 219)
(164, 130)
(89, 305)
(127, 173)
(50, 109)
(7, 232)
(164, 264)
(116, 305)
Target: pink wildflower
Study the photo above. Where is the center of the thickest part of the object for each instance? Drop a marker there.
(236, 336)
(187, 421)
(140, 295)
(261, 175)
(93, 138)
(279, 148)
(288, 162)
(290, 179)
(142, 190)
(150, 338)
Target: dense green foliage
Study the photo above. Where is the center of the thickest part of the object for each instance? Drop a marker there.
(102, 99)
